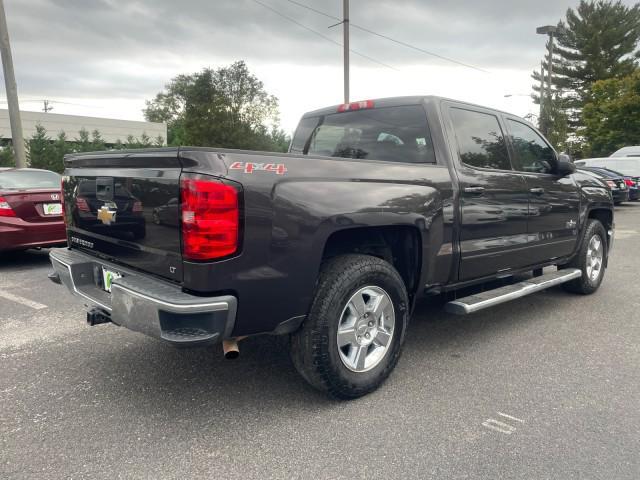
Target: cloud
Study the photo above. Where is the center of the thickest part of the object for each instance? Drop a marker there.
(105, 49)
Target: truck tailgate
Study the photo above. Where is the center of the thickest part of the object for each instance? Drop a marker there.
(125, 207)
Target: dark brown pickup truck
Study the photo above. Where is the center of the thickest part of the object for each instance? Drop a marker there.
(377, 204)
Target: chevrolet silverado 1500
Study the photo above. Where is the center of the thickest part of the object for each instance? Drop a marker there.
(377, 204)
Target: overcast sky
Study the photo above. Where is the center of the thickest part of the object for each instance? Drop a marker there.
(109, 56)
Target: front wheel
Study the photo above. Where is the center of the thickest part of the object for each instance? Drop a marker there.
(352, 338)
(590, 260)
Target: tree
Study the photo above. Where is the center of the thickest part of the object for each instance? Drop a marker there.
(6, 156)
(226, 107)
(41, 151)
(62, 146)
(612, 115)
(83, 142)
(97, 143)
(600, 43)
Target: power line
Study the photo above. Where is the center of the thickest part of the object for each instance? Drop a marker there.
(386, 37)
(329, 39)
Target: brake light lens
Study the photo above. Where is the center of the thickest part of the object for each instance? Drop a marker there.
(137, 207)
(629, 182)
(362, 105)
(5, 208)
(611, 183)
(210, 218)
(82, 204)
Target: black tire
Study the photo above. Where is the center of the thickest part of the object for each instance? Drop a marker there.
(314, 347)
(586, 285)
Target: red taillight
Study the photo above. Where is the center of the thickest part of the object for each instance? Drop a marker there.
(629, 182)
(5, 208)
(611, 184)
(210, 218)
(362, 105)
(137, 207)
(82, 204)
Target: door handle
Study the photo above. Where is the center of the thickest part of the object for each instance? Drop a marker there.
(474, 190)
(537, 191)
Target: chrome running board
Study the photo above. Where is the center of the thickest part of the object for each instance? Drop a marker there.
(480, 301)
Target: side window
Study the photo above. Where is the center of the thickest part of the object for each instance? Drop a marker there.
(480, 139)
(533, 154)
(305, 127)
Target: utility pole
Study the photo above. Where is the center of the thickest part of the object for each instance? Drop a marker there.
(12, 92)
(47, 107)
(345, 29)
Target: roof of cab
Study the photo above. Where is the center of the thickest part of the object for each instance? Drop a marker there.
(400, 101)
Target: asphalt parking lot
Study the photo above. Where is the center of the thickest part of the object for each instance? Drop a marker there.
(546, 387)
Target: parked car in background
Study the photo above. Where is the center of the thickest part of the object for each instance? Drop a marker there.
(616, 184)
(626, 165)
(631, 182)
(632, 151)
(30, 209)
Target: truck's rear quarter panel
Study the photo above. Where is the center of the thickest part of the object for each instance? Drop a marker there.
(289, 216)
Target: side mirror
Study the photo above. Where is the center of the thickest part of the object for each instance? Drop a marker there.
(564, 165)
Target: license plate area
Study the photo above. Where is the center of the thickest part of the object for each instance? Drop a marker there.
(51, 209)
(108, 276)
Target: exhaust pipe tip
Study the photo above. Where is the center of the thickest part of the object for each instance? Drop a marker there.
(230, 348)
(231, 355)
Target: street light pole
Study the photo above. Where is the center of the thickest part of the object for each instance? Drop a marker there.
(552, 31)
(550, 65)
(345, 29)
(12, 92)
(541, 86)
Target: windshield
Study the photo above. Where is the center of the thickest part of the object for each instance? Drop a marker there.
(28, 179)
(395, 134)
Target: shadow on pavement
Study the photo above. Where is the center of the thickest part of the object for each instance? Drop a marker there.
(200, 387)
(24, 258)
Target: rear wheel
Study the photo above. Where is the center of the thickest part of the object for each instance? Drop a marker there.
(591, 260)
(352, 337)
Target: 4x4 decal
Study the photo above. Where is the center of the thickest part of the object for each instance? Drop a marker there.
(250, 167)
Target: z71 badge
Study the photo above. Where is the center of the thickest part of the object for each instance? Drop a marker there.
(249, 167)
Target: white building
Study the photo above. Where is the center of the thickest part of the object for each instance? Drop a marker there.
(111, 130)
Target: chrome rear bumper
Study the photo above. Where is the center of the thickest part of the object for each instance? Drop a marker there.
(143, 303)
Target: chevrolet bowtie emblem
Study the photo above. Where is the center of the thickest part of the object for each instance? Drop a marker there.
(106, 214)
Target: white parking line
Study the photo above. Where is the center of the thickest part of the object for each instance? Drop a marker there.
(512, 418)
(23, 301)
(498, 426)
(502, 427)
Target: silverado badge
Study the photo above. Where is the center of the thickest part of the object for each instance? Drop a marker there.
(107, 213)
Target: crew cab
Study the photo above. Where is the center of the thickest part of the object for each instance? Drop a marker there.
(377, 204)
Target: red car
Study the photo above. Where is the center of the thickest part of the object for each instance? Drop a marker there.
(30, 209)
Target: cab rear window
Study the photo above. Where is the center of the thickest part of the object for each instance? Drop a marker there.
(394, 134)
(27, 179)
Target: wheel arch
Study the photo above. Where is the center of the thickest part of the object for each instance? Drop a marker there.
(399, 245)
